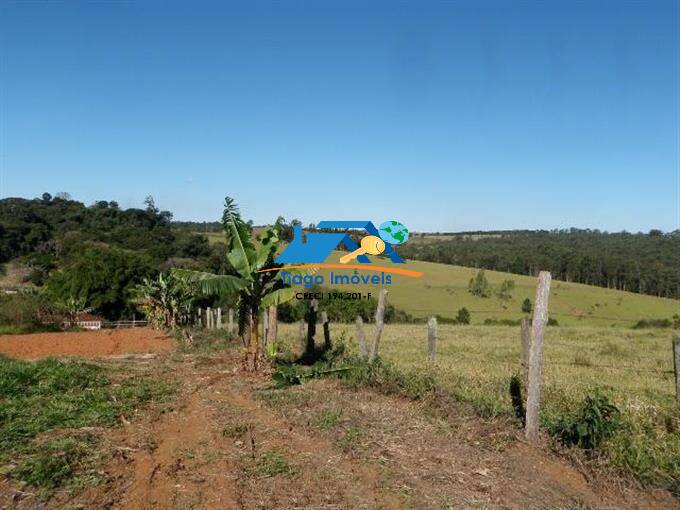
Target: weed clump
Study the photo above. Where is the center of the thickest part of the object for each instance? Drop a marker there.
(595, 422)
(272, 464)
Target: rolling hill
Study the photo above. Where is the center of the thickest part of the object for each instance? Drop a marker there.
(442, 290)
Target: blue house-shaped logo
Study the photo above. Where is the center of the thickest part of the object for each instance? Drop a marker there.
(319, 246)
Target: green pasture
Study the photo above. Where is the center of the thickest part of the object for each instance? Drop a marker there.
(443, 289)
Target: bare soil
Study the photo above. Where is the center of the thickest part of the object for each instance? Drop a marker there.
(86, 344)
(231, 440)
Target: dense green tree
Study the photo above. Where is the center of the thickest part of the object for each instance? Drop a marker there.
(102, 277)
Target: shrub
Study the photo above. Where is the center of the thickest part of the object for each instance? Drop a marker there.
(504, 293)
(526, 306)
(479, 285)
(388, 379)
(595, 422)
(463, 316)
(652, 323)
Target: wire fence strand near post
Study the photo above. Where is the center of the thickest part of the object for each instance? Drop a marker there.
(535, 355)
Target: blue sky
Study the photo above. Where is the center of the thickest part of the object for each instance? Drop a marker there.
(446, 116)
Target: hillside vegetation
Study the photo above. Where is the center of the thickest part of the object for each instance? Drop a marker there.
(645, 263)
(443, 290)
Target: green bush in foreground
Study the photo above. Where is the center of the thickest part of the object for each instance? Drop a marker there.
(596, 421)
(42, 397)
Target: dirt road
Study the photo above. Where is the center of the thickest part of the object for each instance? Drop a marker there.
(85, 344)
(231, 441)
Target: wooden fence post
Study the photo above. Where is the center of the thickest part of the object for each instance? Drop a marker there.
(198, 317)
(676, 365)
(219, 318)
(431, 338)
(265, 327)
(526, 346)
(301, 335)
(535, 355)
(379, 323)
(231, 321)
(326, 332)
(310, 347)
(361, 338)
(208, 318)
(273, 323)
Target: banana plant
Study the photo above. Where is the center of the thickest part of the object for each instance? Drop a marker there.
(166, 301)
(256, 289)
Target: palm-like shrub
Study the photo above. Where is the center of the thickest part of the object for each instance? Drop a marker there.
(256, 289)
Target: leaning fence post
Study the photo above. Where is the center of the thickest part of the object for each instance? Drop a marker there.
(431, 338)
(676, 365)
(379, 323)
(231, 321)
(361, 338)
(526, 346)
(535, 355)
(326, 331)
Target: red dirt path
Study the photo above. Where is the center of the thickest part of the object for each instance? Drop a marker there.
(87, 344)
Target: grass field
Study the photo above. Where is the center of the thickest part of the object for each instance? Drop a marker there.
(213, 237)
(634, 368)
(442, 290)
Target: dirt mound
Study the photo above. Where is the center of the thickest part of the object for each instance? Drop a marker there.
(87, 344)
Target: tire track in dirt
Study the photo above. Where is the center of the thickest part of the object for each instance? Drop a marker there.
(193, 465)
(187, 467)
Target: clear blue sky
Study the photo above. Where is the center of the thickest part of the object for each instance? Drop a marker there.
(446, 116)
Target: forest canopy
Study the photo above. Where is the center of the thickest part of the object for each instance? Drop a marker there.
(644, 263)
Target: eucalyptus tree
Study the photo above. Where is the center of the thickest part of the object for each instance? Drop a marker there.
(257, 289)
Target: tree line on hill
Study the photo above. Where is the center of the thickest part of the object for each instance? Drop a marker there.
(97, 254)
(643, 263)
